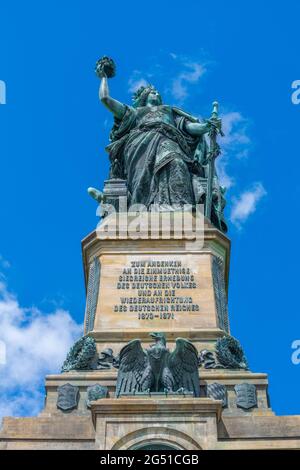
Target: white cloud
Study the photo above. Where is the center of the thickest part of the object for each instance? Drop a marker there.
(246, 204)
(136, 83)
(36, 344)
(235, 127)
(235, 144)
(192, 72)
(221, 164)
(4, 264)
(177, 75)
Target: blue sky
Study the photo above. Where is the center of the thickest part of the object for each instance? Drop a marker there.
(53, 132)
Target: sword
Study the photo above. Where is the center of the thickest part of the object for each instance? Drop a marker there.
(214, 152)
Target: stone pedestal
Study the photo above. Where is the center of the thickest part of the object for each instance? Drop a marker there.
(114, 189)
(176, 284)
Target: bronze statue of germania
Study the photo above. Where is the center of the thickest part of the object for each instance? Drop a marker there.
(161, 151)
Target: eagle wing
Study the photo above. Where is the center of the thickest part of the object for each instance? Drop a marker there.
(134, 368)
(183, 364)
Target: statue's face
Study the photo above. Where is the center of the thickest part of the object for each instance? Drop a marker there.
(154, 98)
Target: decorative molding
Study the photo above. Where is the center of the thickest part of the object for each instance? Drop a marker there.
(92, 294)
(220, 293)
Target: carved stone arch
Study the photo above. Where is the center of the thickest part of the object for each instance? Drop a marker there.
(157, 435)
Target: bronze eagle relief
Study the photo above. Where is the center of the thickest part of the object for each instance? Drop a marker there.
(157, 369)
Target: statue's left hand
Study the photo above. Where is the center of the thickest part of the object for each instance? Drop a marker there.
(214, 125)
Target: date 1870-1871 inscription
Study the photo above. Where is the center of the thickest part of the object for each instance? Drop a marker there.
(155, 286)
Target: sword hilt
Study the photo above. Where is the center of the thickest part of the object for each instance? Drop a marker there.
(215, 110)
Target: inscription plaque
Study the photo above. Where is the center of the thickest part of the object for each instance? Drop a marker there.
(155, 286)
(149, 291)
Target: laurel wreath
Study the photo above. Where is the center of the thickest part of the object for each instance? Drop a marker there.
(230, 353)
(80, 354)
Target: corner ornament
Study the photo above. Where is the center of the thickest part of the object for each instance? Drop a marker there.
(81, 355)
(228, 354)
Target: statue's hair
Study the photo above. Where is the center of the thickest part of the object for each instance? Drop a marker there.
(139, 98)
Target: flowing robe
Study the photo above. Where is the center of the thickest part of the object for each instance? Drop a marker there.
(157, 155)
